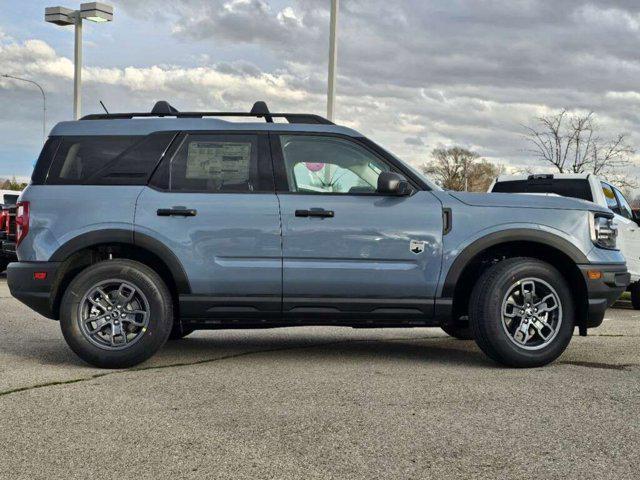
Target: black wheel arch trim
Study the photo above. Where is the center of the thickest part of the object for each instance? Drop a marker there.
(101, 237)
(497, 238)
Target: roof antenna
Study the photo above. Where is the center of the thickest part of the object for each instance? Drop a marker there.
(104, 108)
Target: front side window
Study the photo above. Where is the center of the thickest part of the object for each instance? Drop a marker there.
(625, 208)
(316, 164)
(216, 164)
(610, 197)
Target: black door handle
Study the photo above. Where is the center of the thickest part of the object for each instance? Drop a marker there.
(315, 212)
(177, 212)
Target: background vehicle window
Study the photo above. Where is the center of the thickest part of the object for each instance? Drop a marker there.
(316, 164)
(79, 158)
(625, 208)
(576, 188)
(216, 163)
(612, 203)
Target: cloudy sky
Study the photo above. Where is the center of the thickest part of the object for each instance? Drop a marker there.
(413, 74)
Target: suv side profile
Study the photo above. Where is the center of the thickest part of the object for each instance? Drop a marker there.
(140, 227)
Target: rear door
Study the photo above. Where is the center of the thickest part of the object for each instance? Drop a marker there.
(349, 252)
(212, 202)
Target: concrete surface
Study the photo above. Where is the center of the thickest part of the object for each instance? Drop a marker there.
(317, 403)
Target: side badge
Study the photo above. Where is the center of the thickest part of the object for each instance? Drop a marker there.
(417, 246)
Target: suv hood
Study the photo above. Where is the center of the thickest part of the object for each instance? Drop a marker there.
(525, 200)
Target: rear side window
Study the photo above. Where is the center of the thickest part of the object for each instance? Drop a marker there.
(41, 168)
(80, 158)
(575, 188)
(218, 163)
(106, 160)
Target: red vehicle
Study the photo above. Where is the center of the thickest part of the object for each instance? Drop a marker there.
(8, 231)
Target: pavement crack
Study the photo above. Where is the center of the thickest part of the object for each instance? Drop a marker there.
(209, 360)
(603, 366)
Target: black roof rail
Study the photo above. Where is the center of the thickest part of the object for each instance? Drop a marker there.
(259, 110)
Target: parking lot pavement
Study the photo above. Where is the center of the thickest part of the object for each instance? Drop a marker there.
(317, 403)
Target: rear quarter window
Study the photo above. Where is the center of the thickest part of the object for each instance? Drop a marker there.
(102, 160)
(574, 188)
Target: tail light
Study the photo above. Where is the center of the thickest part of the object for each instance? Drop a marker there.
(3, 220)
(22, 221)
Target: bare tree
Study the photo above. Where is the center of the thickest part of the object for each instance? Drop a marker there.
(457, 168)
(571, 143)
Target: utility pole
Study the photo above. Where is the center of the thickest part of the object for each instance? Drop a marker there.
(44, 102)
(333, 59)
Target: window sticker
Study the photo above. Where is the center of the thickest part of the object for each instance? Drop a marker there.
(224, 160)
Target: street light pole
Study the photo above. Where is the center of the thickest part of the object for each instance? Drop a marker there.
(44, 102)
(333, 59)
(77, 65)
(93, 11)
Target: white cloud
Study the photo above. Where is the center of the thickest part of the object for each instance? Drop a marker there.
(413, 75)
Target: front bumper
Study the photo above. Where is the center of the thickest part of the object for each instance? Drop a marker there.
(604, 291)
(37, 294)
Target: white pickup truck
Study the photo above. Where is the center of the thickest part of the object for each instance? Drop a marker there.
(591, 188)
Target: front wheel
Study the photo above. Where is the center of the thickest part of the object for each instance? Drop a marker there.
(522, 313)
(116, 313)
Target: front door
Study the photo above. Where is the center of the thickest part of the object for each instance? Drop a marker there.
(348, 251)
(213, 203)
(629, 232)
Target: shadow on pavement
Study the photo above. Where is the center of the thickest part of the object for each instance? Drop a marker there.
(203, 349)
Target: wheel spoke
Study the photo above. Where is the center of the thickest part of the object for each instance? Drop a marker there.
(118, 332)
(528, 294)
(540, 326)
(125, 294)
(131, 316)
(543, 305)
(100, 322)
(104, 296)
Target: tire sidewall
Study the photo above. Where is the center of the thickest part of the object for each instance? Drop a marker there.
(160, 313)
(491, 325)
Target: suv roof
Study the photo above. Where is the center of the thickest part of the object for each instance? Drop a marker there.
(163, 117)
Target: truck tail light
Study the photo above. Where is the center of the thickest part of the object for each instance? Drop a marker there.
(22, 221)
(3, 220)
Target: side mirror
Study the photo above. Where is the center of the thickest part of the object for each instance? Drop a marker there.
(391, 183)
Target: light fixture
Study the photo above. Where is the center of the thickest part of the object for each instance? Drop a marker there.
(96, 12)
(59, 15)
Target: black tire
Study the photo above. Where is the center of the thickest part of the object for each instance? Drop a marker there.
(460, 330)
(486, 312)
(179, 331)
(635, 295)
(160, 315)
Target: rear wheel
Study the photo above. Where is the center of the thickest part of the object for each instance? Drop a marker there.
(116, 313)
(522, 313)
(635, 295)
